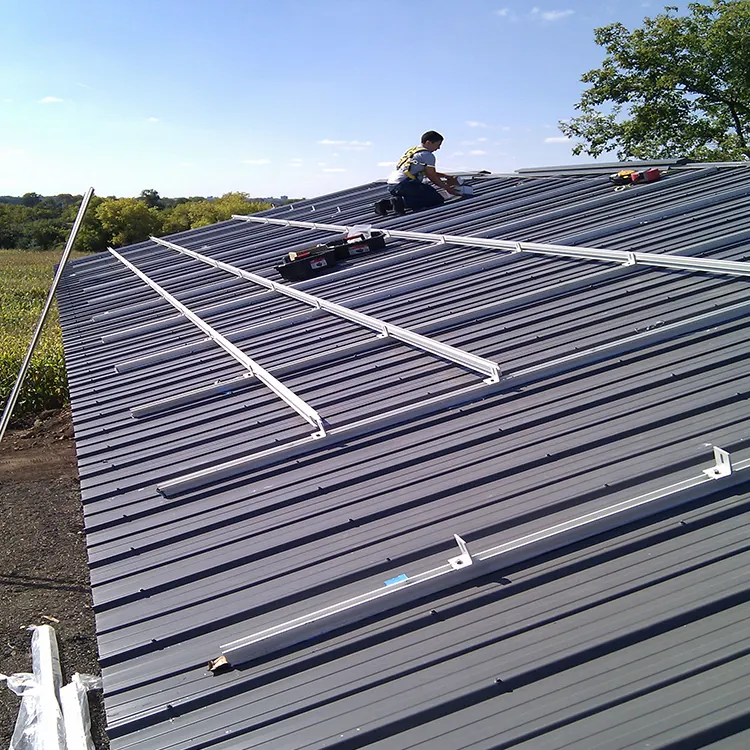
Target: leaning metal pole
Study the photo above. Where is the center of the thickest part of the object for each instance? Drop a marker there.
(47, 305)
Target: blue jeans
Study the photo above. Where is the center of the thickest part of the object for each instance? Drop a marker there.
(416, 194)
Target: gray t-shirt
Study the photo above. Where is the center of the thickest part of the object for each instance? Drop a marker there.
(419, 161)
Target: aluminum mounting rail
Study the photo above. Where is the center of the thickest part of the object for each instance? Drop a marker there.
(732, 268)
(403, 589)
(461, 397)
(283, 392)
(445, 351)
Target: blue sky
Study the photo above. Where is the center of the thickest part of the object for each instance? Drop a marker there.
(285, 97)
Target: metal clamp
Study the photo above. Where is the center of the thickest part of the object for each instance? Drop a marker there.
(723, 466)
(464, 559)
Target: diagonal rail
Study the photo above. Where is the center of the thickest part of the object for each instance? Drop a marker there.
(445, 351)
(283, 392)
(10, 404)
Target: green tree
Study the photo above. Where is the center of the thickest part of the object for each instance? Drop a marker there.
(47, 233)
(11, 223)
(30, 199)
(151, 198)
(679, 86)
(127, 220)
(201, 213)
(91, 236)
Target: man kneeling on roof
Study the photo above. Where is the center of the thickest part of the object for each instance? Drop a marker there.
(408, 183)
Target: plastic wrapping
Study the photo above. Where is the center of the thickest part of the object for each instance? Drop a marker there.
(75, 709)
(40, 724)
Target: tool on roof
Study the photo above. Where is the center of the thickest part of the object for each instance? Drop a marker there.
(626, 177)
(302, 264)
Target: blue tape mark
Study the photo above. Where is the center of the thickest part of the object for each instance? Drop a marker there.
(397, 579)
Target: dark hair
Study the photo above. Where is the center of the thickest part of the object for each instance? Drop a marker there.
(432, 136)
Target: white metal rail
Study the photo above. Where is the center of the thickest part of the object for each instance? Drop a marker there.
(445, 351)
(289, 397)
(463, 396)
(403, 589)
(732, 268)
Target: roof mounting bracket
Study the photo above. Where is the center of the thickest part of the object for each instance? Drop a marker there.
(412, 587)
(518, 248)
(464, 558)
(630, 260)
(723, 466)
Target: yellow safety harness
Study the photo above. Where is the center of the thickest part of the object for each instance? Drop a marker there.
(408, 159)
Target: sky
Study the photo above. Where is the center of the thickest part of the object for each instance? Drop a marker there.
(285, 97)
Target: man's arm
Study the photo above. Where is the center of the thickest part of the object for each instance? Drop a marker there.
(443, 181)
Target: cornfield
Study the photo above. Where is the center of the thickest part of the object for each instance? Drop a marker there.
(25, 279)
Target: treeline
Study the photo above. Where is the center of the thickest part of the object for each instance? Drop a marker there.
(36, 222)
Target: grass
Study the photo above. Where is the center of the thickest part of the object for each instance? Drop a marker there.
(25, 280)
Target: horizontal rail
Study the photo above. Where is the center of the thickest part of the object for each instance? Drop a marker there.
(283, 392)
(732, 268)
(445, 351)
(403, 589)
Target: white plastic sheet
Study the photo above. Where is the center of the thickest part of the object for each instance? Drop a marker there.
(75, 708)
(41, 724)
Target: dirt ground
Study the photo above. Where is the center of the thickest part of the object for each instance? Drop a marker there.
(43, 573)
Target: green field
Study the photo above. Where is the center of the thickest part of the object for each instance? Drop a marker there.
(25, 279)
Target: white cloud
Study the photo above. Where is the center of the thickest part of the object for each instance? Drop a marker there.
(84, 86)
(7, 101)
(477, 152)
(153, 119)
(386, 163)
(255, 161)
(337, 169)
(475, 124)
(294, 164)
(482, 140)
(346, 145)
(456, 153)
(50, 100)
(550, 15)
(557, 139)
(296, 159)
(507, 13)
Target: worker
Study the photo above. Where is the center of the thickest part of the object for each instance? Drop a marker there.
(409, 182)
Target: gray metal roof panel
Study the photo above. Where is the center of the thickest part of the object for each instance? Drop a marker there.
(174, 577)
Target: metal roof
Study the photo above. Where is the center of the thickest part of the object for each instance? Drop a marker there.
(218, 515)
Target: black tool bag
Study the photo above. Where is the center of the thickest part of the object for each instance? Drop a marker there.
(303, 264)
(357, 244)
(307, 263)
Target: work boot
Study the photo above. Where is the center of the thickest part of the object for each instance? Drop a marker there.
(398, 205)
(382, 207)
